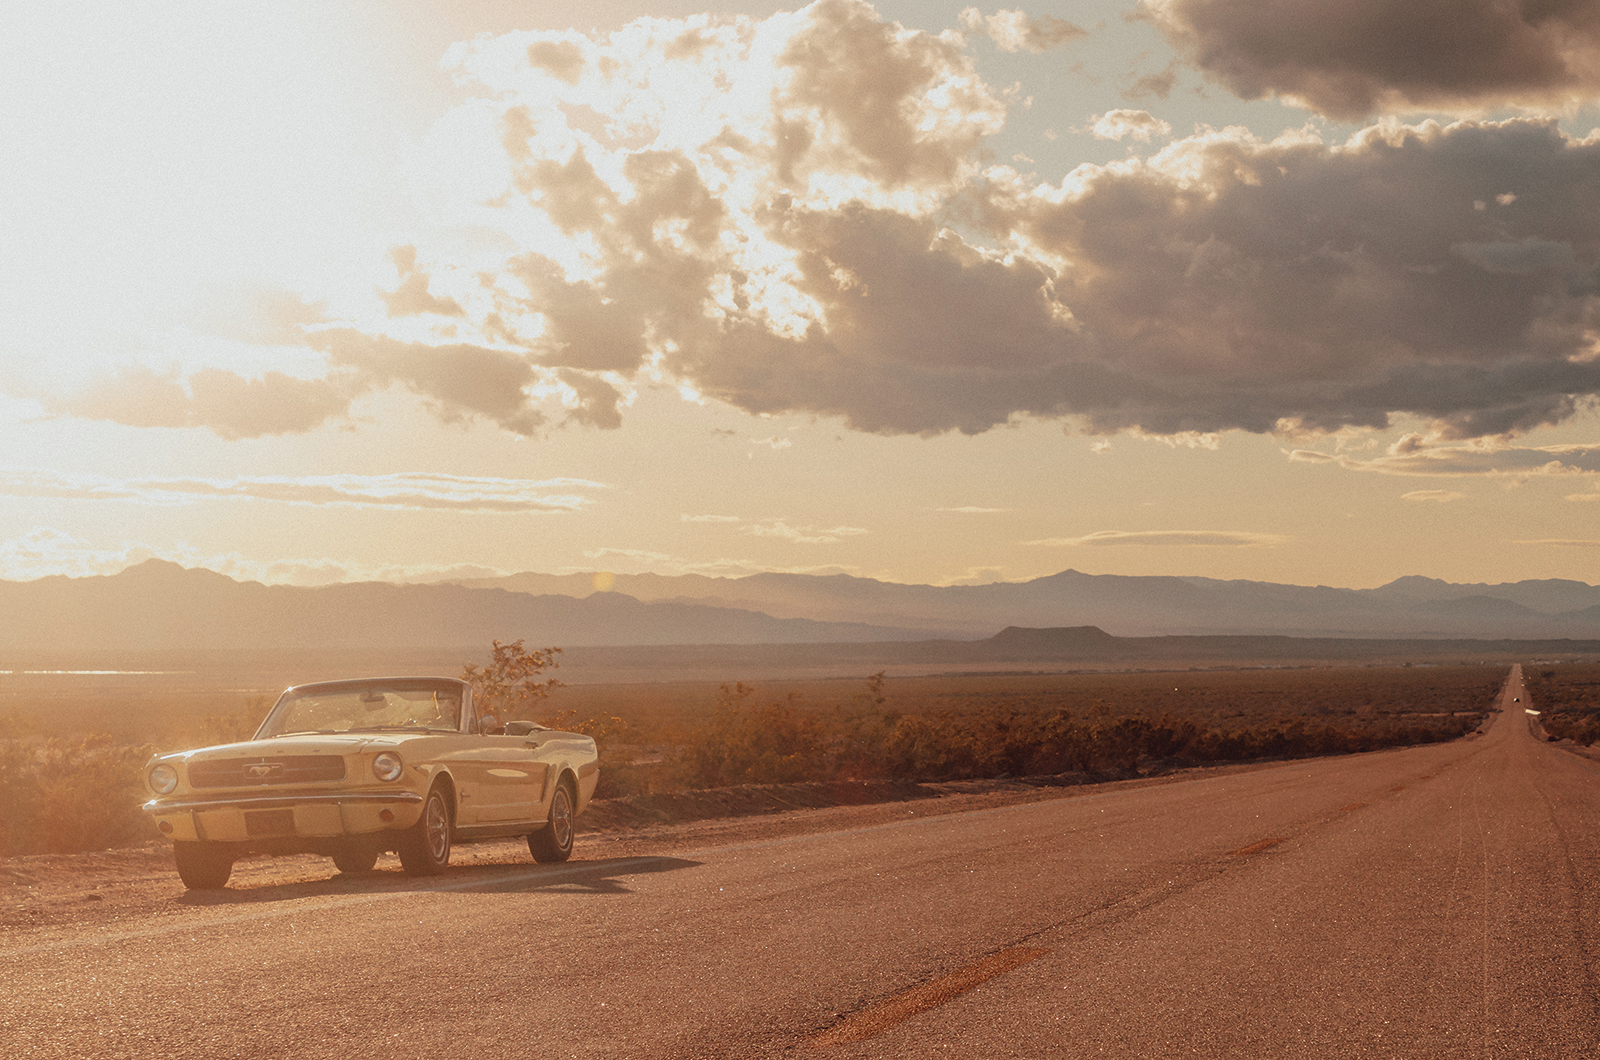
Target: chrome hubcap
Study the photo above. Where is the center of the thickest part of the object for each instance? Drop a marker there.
(561, 819)
(438, 829)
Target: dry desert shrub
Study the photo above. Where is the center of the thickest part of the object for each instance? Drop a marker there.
(1568, 699)
(63, 795)
(63, 790)
(745, 741)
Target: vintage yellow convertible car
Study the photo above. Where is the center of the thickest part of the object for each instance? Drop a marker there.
(351, 769)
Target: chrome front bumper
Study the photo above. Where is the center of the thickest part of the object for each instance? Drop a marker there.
(252, 818)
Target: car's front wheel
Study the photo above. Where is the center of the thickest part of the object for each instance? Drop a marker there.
(425, 850)
(202, 866)
(553, 842)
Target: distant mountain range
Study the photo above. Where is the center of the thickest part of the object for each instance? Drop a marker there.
(1127, 606)
(158, 605)
(161, 606)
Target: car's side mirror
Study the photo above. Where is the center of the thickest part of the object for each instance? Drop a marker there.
(489, 725)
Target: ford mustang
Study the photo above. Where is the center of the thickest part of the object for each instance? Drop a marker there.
(351, 769)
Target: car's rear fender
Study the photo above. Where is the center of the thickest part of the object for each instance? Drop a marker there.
(583, 778)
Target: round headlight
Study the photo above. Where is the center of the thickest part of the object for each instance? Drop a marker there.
(386, 766)
(163, 780)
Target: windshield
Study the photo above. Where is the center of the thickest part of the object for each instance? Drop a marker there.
(365, 708)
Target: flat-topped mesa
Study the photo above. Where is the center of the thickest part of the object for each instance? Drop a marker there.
(1057, 640)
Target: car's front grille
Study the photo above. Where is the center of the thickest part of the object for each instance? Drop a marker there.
(278, 769)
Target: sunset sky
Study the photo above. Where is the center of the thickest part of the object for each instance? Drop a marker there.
(324, 290)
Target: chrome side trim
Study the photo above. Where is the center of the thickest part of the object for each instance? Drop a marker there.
(497, 830)
(272, 802)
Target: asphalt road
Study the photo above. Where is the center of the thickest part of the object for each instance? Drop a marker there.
(1429, 902)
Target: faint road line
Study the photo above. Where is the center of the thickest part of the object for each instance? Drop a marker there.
(873, 1021)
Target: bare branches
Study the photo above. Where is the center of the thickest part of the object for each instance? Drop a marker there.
(509, 687)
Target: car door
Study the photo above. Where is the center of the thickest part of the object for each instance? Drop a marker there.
(499, 780)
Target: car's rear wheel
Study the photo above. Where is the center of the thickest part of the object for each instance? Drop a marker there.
(202, 866)
(354, 860)
(553, 842)
(425, 849)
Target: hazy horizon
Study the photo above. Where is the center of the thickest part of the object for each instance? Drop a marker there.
(607, 581)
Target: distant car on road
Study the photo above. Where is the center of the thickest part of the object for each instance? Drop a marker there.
(351, 769)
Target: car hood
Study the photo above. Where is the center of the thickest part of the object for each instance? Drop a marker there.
(319, 744)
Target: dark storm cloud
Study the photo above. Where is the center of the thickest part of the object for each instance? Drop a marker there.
(1228, 284)
(1352, 58)
(923, 334)
(1237, 283)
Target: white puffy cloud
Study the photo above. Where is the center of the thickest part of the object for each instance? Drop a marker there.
(1138, 125)
(1014, 31)
(1352, 58)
